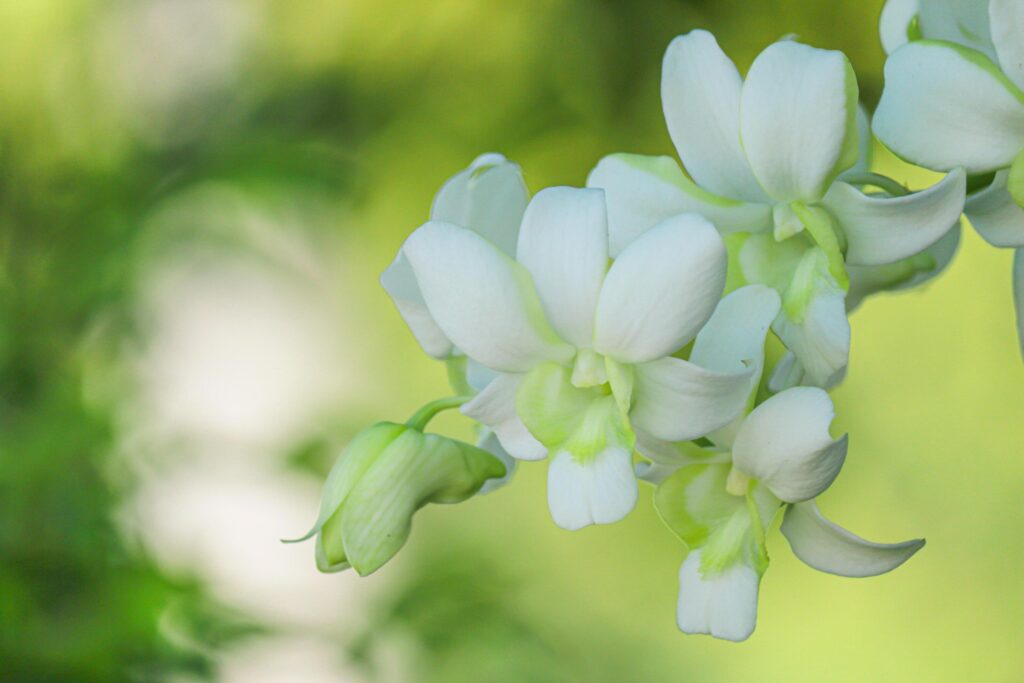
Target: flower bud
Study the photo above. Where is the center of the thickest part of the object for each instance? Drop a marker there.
(381, 479)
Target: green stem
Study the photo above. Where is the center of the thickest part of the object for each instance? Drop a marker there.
(424, 415)
(876, 180)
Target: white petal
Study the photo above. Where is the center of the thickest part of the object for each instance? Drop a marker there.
(785, 444)
(733, 340)
(564, 245)
(798, 119)
(1018, 293)
(479, 376)
(994, 214)
(599, 491)
(829, 548)
(885, 229)
(489, 198)
(788, 373)
(815, 328)
(641, 191)
(495, 407)
(958, 21)
(675, 454)
(724, 605)
(865, 143)
(700, 93)
(482, 300)
(895, 22)
(400, 283)
(490, 443)
(676, 400)
(945, 106)
(661, 290)
(904, 274)
(1007, 21)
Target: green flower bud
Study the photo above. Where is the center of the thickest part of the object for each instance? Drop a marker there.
(381, 479)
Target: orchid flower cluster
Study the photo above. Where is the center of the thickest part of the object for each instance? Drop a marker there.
(681, 325)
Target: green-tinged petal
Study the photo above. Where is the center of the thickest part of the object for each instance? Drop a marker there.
(946, 106)
(590, 479)
(495, 407)
(550, 406)
(483, 301)
(905, 273)
(329, 544)
(350, 466)
(813, 323)
(489, 198)
(1018, 293)
(642, 191)
(1007, 22)
(693, 502)
(882, 230)
(564, 245)
(828, 547)
(399, 282)
(414, 470)
(733, 341)
(822, 228)
(722, 605)
(995, 214)
(785, 444)
(661, 290)
(677, 400)
(771, 263)
(895, 22)
(799, 119)
(700, 93)
(622, 380)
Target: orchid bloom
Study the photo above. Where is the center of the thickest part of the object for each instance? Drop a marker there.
(381, 479)
(954, 97)
(489, 198)
(720, 501)
(583, 349)
(773, 163)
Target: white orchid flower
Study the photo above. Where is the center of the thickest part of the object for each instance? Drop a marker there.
(954, 96)
(720, 500)
(583, 350)
(489, 198)
(769, 158)
(782, 454)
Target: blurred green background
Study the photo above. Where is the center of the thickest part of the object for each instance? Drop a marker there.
(196, 199)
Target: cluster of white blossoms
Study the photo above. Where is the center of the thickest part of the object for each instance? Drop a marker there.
(619, 330)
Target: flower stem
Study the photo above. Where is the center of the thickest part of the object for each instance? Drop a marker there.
(424, 415)
(876, 180)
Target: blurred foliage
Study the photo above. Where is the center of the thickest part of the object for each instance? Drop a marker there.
(458, 615)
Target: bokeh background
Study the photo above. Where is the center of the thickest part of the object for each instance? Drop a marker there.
(196, 199)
